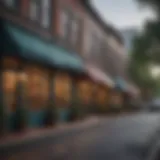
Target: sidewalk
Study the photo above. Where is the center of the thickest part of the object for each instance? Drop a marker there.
(29, 136)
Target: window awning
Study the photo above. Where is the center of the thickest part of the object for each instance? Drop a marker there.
(120, 84)
(97, 75)
(25, 45)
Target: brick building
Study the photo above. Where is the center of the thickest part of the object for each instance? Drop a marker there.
(35, 52)
(46, 47)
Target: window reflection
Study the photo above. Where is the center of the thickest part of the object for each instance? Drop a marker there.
(37, 87)
(102, 96)
(85, 91)
(9, 78)
(62, 89)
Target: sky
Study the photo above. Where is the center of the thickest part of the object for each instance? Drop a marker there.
(122, 13)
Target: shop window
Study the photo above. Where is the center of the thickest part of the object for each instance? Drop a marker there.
(9, 87)
(23, 79)
(37, 87)
(62, 89)
(102, 96)
(85, 92)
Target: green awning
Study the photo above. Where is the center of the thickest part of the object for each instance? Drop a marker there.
(34, 48)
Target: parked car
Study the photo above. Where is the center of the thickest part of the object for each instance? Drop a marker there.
(154, 105)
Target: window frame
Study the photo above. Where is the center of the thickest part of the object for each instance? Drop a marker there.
(76, 20)
(65, 36)
(49, 13)
(38, 14)
(14, 7)
(40, 11)
(93, 44)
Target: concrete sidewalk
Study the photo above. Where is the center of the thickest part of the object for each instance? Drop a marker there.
(28, 136)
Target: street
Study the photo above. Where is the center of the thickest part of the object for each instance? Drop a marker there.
(128, 137)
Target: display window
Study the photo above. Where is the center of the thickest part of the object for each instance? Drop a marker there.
(9, 80)
(62, 86)
(37, 86)
(85, 91)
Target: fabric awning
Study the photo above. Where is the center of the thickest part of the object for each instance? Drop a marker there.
(17, 41)
(120, 84)
(99, 76)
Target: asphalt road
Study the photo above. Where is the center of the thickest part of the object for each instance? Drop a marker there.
(116, 138)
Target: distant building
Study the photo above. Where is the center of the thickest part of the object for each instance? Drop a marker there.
(128, 35)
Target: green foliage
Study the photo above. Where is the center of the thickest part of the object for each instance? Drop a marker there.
(143, 55)
(154, 4)
(151, 34)
(146, 49)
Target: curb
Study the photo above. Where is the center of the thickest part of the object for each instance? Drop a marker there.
(59, 130)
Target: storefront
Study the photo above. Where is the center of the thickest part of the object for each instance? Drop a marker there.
(133, 97)
(101, 88)
(118, 94)
(34, 73)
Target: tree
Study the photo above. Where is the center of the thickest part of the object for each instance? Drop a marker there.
(144, 54)
(152, 31)
(153, 4)
(146, 50)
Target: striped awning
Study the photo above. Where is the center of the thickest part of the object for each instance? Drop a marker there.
(99, 76)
